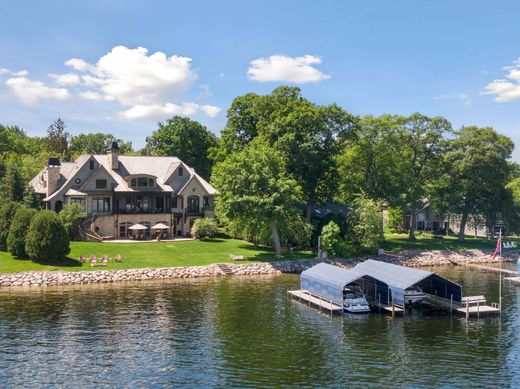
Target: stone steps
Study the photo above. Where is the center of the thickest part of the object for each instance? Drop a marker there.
(225, 269)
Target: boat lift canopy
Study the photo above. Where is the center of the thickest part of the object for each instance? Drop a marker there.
(399, 278)
(327, 281)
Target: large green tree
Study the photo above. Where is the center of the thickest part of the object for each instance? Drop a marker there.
(305, 135)
(57, 140)
(96, 143)
(184, 138)
(476, 172)
(18, 231)
(255, 191)
(12, 183)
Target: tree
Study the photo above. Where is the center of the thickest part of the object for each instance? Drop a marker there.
(16, 238)
(71, 216)
(97, 143)
(204, 228)
(31, 199)
(12, 184)
(255, 190)
(366, 225)
(7, 211)
(57, 140)
(330, 239)
(46, 238)
(184, 138)
(476, 172)
(307, 137)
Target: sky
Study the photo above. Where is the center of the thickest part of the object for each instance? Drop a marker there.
(123, 66)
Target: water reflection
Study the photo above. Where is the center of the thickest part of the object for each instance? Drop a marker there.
(246, 332)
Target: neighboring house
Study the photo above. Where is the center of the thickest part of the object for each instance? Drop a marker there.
(432, 221)
(119, 191)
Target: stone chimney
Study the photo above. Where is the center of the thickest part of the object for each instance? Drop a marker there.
(113, 156)
(53, 175)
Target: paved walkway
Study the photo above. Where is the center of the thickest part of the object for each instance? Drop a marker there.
(147, 241)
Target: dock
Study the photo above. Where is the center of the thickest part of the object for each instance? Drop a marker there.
(305, 296)
(513, 280)
(491, 268)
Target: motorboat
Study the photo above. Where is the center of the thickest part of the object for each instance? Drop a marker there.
(414, 295)
(354, 300)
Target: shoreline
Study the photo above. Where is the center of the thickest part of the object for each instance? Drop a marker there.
(47, 278)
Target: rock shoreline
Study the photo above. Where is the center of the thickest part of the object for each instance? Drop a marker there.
(411, 259)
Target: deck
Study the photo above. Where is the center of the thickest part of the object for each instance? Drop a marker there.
(479, 310)
(302, 295)
(491, 268)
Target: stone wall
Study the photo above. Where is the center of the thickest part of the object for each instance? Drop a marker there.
(412, 259)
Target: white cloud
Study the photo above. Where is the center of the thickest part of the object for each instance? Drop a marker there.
(160, 111)
(462, 97)
(146, 85)
(507, 89)
(90, 95)
(66, 79)
(30, 91)
(299, 70)
(4, 71)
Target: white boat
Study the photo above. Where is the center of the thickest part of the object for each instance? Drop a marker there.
(414, 295)
(354, 300)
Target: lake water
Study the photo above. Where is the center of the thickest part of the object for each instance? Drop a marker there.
(246, 332)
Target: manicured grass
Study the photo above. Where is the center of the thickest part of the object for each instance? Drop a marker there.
(162, 254)
(400, 242)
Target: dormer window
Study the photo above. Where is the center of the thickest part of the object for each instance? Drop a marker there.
(142, 182)
(181, 171)
(91, 164)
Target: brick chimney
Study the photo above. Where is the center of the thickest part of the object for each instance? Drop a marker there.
(53, 175)
(113, 156)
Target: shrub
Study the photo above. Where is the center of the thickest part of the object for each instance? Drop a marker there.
(47, 239)
(366, 225)
(18, 231)
(71, 217)
(331, 240)
(7, 212)
(205, 228)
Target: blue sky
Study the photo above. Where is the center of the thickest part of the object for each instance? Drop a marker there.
(457, 59)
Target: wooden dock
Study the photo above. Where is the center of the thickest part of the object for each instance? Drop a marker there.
(491, 268)
(513, 280)
(305, 296)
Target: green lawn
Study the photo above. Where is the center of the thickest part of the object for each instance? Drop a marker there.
(162, 254)
(400, 242)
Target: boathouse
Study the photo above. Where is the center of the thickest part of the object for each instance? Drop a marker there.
(328, 281)
(397, 279)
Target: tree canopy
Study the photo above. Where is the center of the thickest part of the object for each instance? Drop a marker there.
(186, 139)
(96, 143)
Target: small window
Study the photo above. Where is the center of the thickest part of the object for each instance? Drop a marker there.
(91, 164)
(150, 182)
(134, 182)
(101, 184)
(181, 171)
(174, 202)
(142, 182)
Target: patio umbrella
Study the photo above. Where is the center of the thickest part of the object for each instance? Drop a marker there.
(160, 226)
(138, 227)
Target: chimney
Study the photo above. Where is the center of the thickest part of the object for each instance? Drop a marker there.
(53, 175)
(113, 156)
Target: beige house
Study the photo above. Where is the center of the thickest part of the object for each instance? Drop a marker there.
(119, 191)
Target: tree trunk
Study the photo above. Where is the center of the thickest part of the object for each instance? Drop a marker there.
(308, 210)
(276, 238)
(411, 234)
(462, 226)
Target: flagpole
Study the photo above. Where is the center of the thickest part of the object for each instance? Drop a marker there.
(500, 273)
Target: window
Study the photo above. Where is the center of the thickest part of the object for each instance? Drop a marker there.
(142, 182)
(159, 204)
(181, 171)
(101, 184)
(193, 204)
(174, 201)
(101, 204)
(123, 229)
(77, 200)
(91, 164)
(143, 204)
(207, 203)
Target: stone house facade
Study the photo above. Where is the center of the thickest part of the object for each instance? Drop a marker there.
(119, 191)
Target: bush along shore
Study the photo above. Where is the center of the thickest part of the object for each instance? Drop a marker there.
(412, 259)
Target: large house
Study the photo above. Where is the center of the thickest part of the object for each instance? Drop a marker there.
(120, 191)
